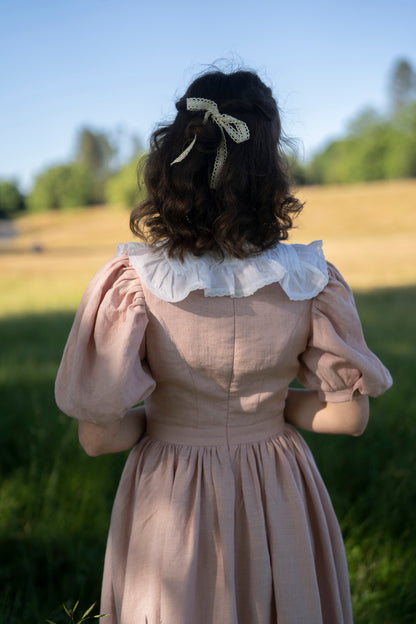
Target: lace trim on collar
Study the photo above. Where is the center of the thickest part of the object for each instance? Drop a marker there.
(301, 271)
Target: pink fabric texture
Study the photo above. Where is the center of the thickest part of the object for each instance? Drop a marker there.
(221, 515)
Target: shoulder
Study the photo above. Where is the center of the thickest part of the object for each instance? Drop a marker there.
(115, 285)
(336, 292)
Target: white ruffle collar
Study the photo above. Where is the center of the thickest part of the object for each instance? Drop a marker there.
(301, 271)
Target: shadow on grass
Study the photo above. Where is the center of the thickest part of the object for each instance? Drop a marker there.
(55, 502)
(372, 479)
(376, 469)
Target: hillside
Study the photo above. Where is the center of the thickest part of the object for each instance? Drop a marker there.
(369, 232)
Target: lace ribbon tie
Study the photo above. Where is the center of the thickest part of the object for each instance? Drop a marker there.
(236, 129)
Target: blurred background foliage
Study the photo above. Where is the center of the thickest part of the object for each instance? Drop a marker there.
(375, 146)
(101, 172)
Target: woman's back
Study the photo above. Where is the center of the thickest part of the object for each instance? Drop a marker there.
(222, 365)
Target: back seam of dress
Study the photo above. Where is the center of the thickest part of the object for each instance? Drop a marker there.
(229, 384)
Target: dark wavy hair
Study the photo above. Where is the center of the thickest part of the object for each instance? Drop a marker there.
(251, 208)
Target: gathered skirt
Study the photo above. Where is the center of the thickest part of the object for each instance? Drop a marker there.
(219, 534)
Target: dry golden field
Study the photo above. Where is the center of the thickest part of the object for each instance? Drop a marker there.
(369, 232)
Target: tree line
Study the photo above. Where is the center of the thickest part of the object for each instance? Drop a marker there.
(98, 174)
(376, 146)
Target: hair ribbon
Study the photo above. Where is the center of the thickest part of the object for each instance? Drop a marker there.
(236, 129)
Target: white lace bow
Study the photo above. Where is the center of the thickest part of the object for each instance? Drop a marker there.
(236, 129)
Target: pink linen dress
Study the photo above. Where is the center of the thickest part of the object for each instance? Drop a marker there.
(221, 516)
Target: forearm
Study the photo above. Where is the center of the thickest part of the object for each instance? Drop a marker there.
(114, 437)
(303, 409)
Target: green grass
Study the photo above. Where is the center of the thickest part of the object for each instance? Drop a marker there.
(372, 479)
(55, 502)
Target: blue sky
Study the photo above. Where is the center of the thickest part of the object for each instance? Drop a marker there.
(121, 63)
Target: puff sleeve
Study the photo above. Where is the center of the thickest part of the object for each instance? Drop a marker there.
(337, 361)
(103, 371)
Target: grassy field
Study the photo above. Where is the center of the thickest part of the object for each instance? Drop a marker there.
(55, 502)
(369, 232)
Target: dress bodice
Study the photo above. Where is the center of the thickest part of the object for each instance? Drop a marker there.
(210, 363)
(216, 371)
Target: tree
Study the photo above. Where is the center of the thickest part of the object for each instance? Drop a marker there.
(127, 145)
(11, 199)
(126, 186)
(364, 122)
(94, 152)
(401, 162)
(402, 84)
(375, 146)
(63, 186)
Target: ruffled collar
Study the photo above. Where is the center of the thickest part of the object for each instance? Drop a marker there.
(301, 271)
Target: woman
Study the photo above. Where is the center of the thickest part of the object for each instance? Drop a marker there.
(221, 515)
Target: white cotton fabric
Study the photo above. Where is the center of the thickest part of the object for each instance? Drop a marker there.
(301, 271)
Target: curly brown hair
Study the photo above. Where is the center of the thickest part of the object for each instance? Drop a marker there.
(251, 207)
